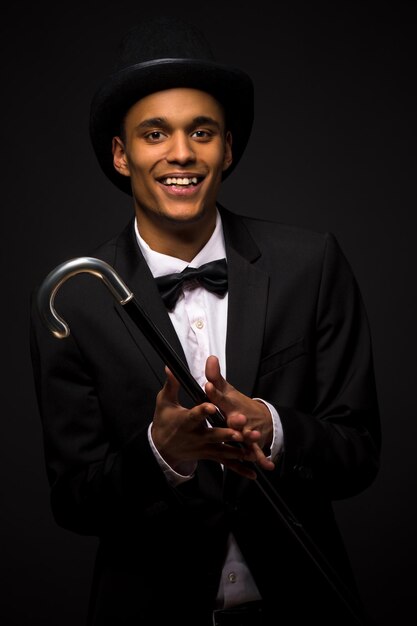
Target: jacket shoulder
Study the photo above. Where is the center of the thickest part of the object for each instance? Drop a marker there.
(107, 250)
(272, 230)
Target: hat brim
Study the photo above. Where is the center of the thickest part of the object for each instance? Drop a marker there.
(231, 87)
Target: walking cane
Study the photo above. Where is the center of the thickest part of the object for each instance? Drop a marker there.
(123, 295)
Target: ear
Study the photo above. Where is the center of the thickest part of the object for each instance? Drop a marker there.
(228, 156)
(120, 161)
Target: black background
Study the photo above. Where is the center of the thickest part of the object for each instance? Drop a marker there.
(333, 148)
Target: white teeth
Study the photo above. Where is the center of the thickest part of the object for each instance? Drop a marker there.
(180, 181)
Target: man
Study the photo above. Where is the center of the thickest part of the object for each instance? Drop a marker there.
(282, 349)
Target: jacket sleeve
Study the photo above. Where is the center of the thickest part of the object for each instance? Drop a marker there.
(95, 484)
(336, 442)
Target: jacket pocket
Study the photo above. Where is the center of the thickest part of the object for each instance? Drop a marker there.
(283, 356)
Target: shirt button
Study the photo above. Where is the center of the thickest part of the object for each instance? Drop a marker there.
(199, 324)
(232, 577)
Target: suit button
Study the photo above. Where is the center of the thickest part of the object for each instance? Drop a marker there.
(231, 508)
(303, 471)
(156, 508)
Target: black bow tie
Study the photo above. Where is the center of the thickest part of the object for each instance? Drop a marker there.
(212, 276)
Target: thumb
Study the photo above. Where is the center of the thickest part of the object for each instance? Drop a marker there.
(213, 373)
(170, 390)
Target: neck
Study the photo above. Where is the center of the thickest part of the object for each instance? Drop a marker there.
(180, 239)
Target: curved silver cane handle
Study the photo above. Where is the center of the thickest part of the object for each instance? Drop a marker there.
(54, 280)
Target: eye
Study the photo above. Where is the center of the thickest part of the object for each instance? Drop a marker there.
(154, 136)
(202, 134)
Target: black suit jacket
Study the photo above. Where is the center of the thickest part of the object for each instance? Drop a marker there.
(297, 336)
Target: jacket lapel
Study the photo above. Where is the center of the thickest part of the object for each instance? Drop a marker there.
(248, 295)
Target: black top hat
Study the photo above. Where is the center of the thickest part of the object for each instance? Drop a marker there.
(159, 54)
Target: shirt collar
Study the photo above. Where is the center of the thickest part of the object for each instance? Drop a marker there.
(161, 264)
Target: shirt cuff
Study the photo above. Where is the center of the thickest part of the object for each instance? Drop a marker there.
(173, 477)
(277, 445)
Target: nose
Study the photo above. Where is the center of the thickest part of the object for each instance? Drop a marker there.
(180, 149)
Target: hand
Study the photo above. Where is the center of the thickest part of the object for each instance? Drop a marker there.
(251, 417)
(182, 434)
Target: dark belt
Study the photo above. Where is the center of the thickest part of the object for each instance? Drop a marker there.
(249, 614)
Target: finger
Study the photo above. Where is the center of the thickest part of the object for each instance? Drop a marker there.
(250, 436)
(249, 449)
(251, 457)
(213, 373)
(261, 459)
(202, 411)
(217, 393)
(241, 468)
(171, 387)
(238, 421)
(224, 435)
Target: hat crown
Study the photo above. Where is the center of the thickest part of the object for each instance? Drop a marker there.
(162, 38)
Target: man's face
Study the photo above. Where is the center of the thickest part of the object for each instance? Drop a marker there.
(174, 149)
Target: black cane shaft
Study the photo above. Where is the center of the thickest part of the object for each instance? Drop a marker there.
(188, 382)
(168, 355)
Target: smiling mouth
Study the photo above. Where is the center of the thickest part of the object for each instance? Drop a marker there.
(181, 181)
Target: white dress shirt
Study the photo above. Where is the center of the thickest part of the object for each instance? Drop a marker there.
(200, 319)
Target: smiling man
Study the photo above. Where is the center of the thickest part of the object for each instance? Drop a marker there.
(270, 321)
(175, 148)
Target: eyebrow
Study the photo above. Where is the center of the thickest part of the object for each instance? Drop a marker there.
(162, 122)
(152, 122)
(202, 120)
